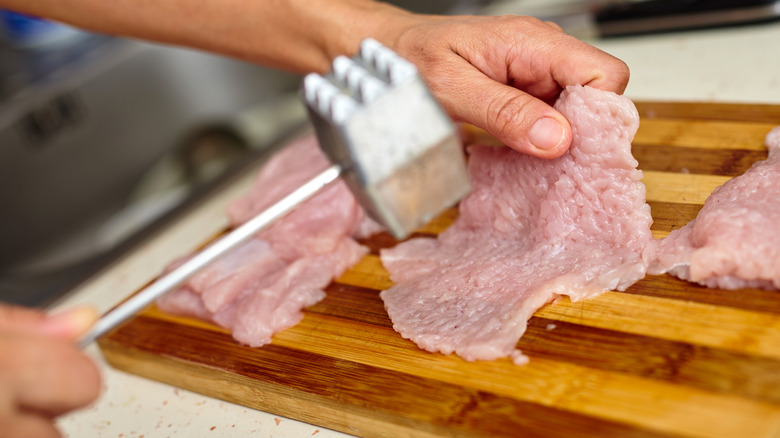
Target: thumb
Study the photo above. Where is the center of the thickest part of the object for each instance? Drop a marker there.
(519, 120)
(68, 324)
(529, 125)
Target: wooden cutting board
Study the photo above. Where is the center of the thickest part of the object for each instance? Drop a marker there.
(664, 358)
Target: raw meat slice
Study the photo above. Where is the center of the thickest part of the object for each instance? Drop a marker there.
(235, 273)
(734, 242)
(261, 287)
(530, 231)
(320, 225)
(287, 169)
(276, 304)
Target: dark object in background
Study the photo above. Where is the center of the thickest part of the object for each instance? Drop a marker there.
(653, 16)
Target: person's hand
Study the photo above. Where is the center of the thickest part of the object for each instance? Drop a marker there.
(503, 73)
(498, 73)
(42, 373)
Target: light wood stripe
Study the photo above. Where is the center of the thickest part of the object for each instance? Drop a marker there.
(441, 222)
(368, 272)
(680, 188)
(703, 134)
(660, 234)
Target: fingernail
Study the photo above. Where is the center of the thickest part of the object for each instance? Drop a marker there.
(547, 133)
(69, 324)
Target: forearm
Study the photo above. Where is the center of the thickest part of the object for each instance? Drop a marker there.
(296, 35)
(499, 73)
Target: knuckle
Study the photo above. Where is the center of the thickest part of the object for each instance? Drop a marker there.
(617, 74)
(518, 22)
(623, 72)
(554, 25)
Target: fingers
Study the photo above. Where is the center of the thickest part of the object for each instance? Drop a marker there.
(537, 52)
(502, 74)
(46, 376)
(572, 61)
(564, 58)
(28, 425)
(63, 325)
(42, 373)
(578, 63)
(69, 324)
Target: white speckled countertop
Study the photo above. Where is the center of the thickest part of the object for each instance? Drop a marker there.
(724, 65)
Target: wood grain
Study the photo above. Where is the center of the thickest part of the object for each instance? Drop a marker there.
(692, 160)
(709, 135)
(747, 113)
(664, 358)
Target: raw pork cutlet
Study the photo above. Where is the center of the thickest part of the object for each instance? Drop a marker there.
(261, 287)
(734, 241)
(530, 231)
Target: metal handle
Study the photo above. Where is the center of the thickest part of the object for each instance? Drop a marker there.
(179, 275)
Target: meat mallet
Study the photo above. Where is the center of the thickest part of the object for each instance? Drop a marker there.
(385, 135)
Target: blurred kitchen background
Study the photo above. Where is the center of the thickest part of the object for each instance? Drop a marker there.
(105, 140)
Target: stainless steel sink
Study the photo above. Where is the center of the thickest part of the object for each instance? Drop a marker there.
(101, 142)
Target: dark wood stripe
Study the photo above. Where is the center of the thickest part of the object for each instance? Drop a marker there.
(668, 216)
(353, 303)
(379, 241)
(376, 393)
(727, 162)
(761, 113)
(674, 362)
(384, 240)
(667, 286)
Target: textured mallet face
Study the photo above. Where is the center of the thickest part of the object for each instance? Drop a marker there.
(398, 149)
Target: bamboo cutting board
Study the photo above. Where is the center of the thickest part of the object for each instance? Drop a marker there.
(664, 358)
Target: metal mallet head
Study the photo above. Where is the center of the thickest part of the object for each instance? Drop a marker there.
(398, 150)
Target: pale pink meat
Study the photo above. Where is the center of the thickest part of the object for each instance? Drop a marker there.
(322, 225)
(734, 242)
(530, 231)
(261, 287)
